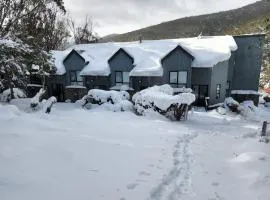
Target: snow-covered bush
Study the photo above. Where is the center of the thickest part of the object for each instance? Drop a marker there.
(35, 101)
(112, 100)
(49, 103)
(246, 108)
(231, 104)
(6, 95)
(162, 100)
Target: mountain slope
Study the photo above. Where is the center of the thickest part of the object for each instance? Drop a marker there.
(237, 21)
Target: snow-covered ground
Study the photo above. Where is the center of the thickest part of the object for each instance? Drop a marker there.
(96, 154)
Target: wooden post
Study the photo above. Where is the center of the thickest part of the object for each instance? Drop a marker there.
(264, 127)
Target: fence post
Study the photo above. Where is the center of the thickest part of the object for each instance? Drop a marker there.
(264, 127)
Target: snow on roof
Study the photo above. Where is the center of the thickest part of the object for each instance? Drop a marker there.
(207, 52)
(58, 59)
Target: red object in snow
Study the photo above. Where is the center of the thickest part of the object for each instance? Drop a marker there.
(267, 90)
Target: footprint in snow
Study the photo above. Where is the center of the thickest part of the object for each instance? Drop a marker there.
(215, 184)
(132, 186)
(145, 174)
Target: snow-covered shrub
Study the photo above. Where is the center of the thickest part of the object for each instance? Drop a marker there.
(49, 103)
(35, 101)
(112, 100)
(6, 95)
(231, 104)
(246, 108)
(162, 100)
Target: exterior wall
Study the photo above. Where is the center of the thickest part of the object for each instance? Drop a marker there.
(211, 77)
(74, 62)
(219, 76)
(231, 69)
(103, 82)
(177, 60)
(56, 80)
(121, 61)
(248, 60)
(140, 82)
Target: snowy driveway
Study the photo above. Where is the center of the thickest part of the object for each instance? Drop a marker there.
(78, 154)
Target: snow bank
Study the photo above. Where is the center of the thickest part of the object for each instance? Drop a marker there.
(9, 112)
(161, 98)
(6, 95)
(147, 56)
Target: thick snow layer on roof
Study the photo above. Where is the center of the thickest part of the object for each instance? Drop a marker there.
(58, 59)
(207, 52)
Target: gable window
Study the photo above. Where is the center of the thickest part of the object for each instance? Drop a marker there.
(75, 78)
(121, 78)
(218, 91)
(178, 78)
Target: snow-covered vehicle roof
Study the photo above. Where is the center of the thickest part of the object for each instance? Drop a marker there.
(207, 52)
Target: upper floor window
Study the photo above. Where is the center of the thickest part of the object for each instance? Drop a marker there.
(75, 78)
(121, 78)
(178, 78)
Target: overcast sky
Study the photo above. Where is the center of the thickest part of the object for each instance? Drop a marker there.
(119, 16)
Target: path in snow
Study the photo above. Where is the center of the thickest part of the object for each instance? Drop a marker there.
(178, 180)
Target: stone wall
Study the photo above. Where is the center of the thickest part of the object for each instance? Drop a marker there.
(75, 94)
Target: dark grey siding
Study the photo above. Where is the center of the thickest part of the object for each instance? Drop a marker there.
(211, 77)
(177, 60)
(230, 70)
(74, 62)
(101, 82)
(121, 61)
(248, 60)
(219, 76)
(140, 83)
(201, 76)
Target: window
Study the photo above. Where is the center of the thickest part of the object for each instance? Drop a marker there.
(218, 91)
(75, 78)
(178, 79)
(121, 78)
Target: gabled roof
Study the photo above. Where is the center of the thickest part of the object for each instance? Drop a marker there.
(176, 48)
(73, 51)
(206, 52)
(118, 51)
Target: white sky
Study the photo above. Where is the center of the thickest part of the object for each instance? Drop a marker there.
(120, 16)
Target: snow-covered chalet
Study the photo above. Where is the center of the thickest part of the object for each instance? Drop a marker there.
(214, 67)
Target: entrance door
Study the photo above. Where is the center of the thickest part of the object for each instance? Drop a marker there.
(58, 92)
(200, 91)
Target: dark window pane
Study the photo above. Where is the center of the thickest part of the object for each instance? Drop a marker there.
(79, 78)
(182, 77)
(73, 76)
(126, 77)
(173, 77)
(118, 77)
